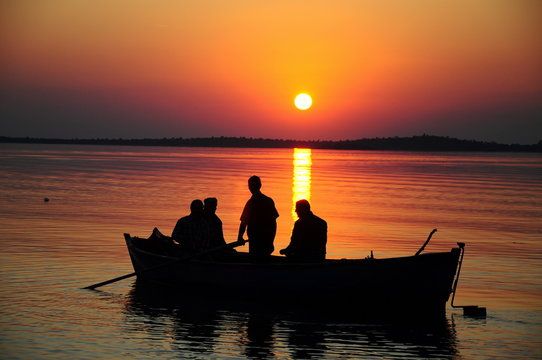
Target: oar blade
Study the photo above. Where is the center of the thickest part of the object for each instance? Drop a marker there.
(94, 286)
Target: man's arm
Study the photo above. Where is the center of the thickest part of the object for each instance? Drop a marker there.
(242, 228)
(220, 232)
(290, 249)
(177, 233)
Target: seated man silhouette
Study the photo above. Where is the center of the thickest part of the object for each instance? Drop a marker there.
(215, 224)
(192, 232)
(309, 236)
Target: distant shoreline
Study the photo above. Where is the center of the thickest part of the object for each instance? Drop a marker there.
(414, 143)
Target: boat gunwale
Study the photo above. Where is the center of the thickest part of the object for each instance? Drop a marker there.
(284, 264)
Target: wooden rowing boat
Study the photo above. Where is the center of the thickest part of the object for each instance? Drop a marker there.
(421, 283)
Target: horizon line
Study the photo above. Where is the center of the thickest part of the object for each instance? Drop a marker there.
(417, 142)
(213, 137)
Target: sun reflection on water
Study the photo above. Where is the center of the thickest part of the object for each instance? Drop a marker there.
(301, 186)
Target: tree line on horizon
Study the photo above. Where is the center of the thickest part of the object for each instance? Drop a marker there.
(415, 143)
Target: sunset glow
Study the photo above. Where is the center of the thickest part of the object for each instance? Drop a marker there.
(183, 69)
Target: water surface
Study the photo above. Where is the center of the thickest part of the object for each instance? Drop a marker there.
(387, 202)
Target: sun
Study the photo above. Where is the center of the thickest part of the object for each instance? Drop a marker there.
(303, 101)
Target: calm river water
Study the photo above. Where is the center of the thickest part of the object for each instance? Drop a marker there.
(387, 202)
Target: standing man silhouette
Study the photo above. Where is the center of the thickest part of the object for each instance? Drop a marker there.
(259, 219)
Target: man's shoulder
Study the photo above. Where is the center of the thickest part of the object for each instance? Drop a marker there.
(184, 219)
(264, 199)
(261, 197)
(319, 220)
(213, 219)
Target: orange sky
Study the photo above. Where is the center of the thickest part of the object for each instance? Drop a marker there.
(166, 68)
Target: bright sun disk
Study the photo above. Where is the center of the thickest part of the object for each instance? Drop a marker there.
(303, 101)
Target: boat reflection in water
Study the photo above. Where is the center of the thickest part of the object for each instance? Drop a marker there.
(301, 187)
(236, 329)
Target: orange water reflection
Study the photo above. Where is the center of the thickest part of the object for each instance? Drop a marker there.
(301, 179)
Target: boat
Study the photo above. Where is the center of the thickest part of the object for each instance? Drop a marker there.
(419, 284)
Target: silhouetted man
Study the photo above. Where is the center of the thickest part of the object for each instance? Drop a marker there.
(309, 236)
(215, 224)
(259, 219)
(192, 232)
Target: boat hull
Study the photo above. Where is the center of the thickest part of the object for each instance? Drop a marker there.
(420, 283)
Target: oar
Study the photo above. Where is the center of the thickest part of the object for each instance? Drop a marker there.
(426, 242)
(188, 257)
